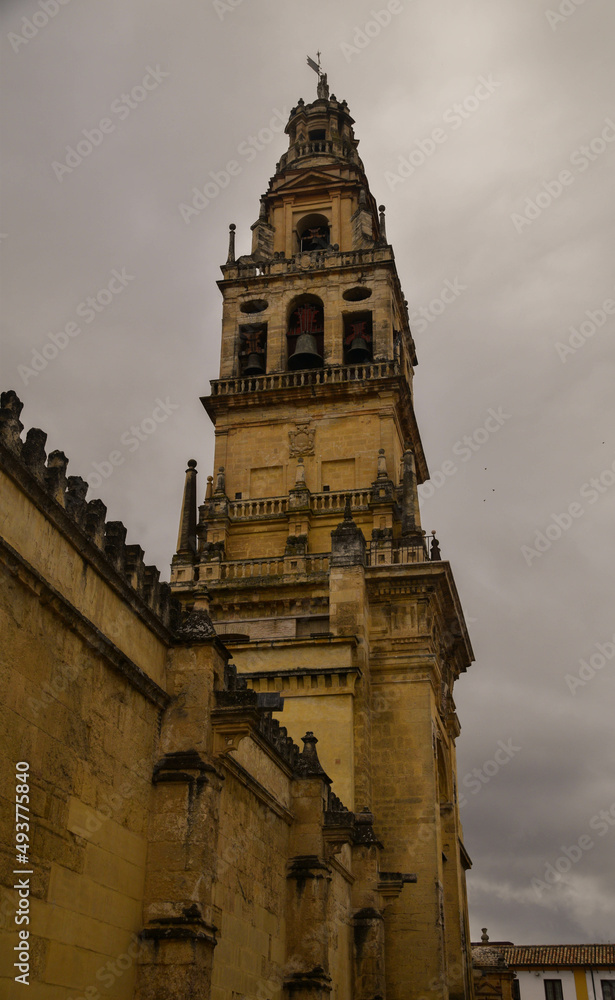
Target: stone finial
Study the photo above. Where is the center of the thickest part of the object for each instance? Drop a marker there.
(10, 424)
(434, 552)
(347, 540)
(74, 498)
(209, 490)
(484, 936)
(94, 526)
(134, 566)
(115, 544)
(409, 528)
(382, 465)
(220, 480)
(308, 764)
(231, 243)
(186, 539)
(55, 475)
(195, 626)
(300, 474)
(33, 452)
(383, 228)
(151, 585)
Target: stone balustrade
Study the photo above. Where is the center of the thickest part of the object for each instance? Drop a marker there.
(307, 260)
(377, 554)
(330, 375)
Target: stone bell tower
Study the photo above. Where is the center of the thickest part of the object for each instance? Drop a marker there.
(308, 547)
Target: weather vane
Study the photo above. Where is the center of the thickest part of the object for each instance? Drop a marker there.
(323, 88)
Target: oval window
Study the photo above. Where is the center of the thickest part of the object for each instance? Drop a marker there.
(356, 294)
(253, 306)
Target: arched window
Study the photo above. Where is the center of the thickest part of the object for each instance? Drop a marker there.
(305, 333)
(313, 233)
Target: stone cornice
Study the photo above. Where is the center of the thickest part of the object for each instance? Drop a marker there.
(386, 581)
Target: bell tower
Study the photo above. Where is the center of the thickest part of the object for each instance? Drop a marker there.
(308, 548)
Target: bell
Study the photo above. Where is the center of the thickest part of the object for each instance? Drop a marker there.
(254, 365)
(358, 352)
(306, 354)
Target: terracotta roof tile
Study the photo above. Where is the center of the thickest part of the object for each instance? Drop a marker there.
(560, 955)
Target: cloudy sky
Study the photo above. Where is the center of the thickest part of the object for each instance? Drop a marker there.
(488, 130)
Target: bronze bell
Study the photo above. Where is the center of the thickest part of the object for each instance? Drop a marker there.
(358, 352)
(255, 364)
(306, 354)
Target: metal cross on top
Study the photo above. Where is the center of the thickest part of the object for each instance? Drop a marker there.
(323, 87)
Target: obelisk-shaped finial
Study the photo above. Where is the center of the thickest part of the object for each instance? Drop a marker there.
(186, 541)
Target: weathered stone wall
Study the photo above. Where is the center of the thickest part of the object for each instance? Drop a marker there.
(253, 848)
(81, 690)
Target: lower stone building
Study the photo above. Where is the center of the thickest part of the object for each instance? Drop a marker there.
(179, 844)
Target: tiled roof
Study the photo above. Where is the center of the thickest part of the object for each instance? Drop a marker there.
(560, 955)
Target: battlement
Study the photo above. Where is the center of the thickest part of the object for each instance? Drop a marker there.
(63, 498)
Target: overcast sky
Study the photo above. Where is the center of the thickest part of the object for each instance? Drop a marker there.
(467, 111)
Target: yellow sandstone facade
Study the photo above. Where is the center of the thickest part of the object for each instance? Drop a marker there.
(284, 825)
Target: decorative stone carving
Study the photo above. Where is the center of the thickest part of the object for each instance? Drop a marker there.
(301, 440)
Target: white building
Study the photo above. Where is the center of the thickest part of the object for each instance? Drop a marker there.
(562, 972)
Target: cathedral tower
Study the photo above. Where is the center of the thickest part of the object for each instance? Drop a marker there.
(308, 548)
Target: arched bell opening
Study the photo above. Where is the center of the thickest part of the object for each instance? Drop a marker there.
(305, 333)
(313, 233)
(358, 339)
(253, 349)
